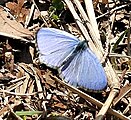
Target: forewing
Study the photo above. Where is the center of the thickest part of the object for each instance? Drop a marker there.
(85, 71)
(55, 45)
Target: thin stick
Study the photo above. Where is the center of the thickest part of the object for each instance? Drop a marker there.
(106, 105)
(119, 55)
(91, 99)
(30, 15)
(15, 37)
(113, 10)
(82, 27)
(94, 35)
(92, 18)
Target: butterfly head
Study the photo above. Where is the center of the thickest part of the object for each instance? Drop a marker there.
(82, 45)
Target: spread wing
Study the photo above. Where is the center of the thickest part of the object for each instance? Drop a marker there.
(55, 45)
(84, 69)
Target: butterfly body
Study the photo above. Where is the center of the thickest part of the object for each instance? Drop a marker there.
(80, 47)
(74, 60)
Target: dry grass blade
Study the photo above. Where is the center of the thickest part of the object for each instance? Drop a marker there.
(23, 88)
(92, 100)
(95, 36)
(92, 18)
(113, 10)
(112, 77)
(37, 79)
(106, 105)
(30, 15)
(82, 27)
(124, 91)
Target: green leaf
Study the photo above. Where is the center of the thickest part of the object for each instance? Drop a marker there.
(58, 5)
(51, 8)
(23, 113)
(55, 17)
(56, 1)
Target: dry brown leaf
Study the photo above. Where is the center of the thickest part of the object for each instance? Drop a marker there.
(60, 105)
(37, 79)
(24, 86)
(9, 61)
(100, 1)
(49, 80)
(12, 27)
(22, 15)
(31, 86)
(20, 72)
(13, 7)
(20, 4)
(1, 75)
(123, 91)
(17, 10)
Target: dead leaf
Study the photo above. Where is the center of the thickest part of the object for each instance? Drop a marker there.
(60, 105)
(20, 4)
(17, 11)
(13, 7)
(24, 86)
(100, 1)
(9, 61)
(1, 75)
(123, 91)
(96, 2)
(12, 27)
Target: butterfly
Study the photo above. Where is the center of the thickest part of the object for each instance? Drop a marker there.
(73, 59)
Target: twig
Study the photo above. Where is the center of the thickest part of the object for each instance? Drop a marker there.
(18, 79)
(111, 11)
(15, 37)
(94, 35)
(80, 93)
(30, 15)
(123, 92)
(119, 55)
(106, 105)
(14, 86)
(91, 99)
(21, 94)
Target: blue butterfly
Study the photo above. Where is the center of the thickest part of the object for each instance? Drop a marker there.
(75, 62)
